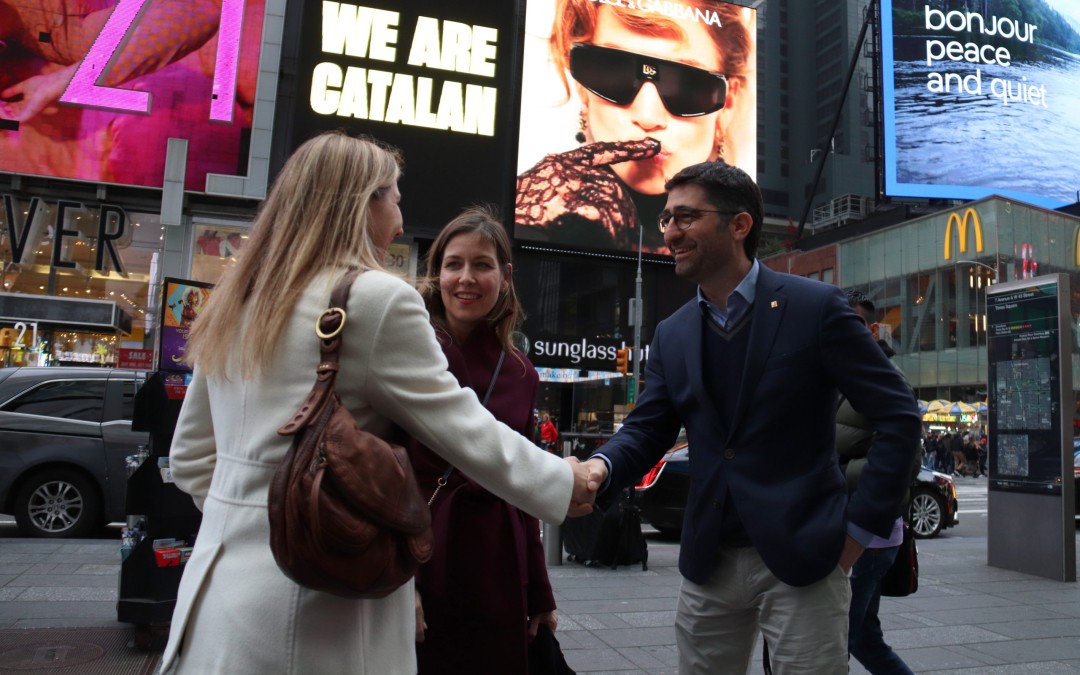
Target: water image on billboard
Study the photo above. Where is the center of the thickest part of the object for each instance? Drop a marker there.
(617, 97)
(93, 90)
(980, 98)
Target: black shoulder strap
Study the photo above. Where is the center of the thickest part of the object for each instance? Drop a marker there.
(491, 387)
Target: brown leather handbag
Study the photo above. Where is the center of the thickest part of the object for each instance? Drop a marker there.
(346, 515)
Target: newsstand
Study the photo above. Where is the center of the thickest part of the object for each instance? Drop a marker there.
(162, 521)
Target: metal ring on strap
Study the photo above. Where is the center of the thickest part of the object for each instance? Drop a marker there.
(337, 331)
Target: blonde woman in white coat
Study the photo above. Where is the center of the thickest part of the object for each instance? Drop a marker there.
(334, 205)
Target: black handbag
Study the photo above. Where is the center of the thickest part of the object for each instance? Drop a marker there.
(545, 654)
(902, 579)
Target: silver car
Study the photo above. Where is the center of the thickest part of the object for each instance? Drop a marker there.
(65, 434)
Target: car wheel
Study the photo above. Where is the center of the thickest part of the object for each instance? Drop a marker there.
(57, 503)
(927, 514)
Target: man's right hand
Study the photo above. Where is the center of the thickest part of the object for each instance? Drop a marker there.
(598, 470)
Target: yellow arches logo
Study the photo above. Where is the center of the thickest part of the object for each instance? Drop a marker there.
(961, 227)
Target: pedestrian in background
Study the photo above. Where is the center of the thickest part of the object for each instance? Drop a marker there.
(956, 446)
(930, 450)
(752, 368)
(333, 208)
(866, 641)
(980, 446)
(549, 434)
(946, 463)
(485, 591)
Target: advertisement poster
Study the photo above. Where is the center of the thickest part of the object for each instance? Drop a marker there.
(617, 97)
(92, 90)
(434, 79)
(982, 100)
(183, 301)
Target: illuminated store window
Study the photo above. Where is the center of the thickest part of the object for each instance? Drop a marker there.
(85, 252)
(215, 249)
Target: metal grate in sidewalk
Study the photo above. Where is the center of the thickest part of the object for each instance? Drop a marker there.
(74, 651)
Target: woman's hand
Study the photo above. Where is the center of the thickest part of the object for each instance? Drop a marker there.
(35, 95)
(420, 625)
(549, 618)
(579, 185)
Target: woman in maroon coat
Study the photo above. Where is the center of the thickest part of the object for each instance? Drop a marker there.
(485, 591)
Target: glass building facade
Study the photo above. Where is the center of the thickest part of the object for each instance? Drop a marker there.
(928, 278)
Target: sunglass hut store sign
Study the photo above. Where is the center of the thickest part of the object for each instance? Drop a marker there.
(359, 77)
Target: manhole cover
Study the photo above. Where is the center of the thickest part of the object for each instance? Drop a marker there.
(50, 655)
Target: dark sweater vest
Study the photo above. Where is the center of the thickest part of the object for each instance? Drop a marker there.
(724, 358)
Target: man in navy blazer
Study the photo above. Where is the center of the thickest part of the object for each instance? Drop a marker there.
(752, 368)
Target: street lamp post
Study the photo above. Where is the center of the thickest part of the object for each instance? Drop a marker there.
(637, 316)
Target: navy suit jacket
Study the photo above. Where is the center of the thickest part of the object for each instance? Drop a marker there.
(777, 461)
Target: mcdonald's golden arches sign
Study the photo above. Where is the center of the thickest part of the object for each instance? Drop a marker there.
(962, 229)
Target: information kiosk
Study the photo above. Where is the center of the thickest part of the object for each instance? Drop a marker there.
(1030, 396)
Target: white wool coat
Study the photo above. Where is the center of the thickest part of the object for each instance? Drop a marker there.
(236, 612)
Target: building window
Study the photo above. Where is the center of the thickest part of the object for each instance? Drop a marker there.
(827, 275)
(86, 252)
(67, 399)
(215, 249)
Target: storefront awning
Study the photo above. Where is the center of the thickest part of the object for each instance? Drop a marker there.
(71, 313)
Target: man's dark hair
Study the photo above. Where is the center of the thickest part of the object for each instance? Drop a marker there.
(859, 299)
(728, 188)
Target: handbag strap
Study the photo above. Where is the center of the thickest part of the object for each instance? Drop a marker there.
(441, 483)
(328, 329)
(494, 376)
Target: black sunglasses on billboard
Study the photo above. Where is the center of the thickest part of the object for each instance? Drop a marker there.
(616, 76)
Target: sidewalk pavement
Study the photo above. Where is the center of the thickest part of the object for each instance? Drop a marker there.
(967, 617)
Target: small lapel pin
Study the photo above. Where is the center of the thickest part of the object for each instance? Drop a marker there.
(774, 304)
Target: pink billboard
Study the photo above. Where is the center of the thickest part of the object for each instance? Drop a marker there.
(93, 89)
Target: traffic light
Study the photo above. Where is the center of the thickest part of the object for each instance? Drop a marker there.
(622, 360)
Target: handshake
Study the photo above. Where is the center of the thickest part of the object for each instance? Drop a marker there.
(588, 477)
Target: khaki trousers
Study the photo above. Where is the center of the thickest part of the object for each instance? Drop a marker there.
(716, 624)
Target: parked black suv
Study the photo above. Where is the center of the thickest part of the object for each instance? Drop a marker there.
(65, 434)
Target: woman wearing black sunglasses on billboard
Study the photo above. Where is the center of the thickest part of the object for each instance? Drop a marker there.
(657, 91)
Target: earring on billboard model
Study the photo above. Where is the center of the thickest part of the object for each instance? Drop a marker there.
(583, 124)
(719, 142)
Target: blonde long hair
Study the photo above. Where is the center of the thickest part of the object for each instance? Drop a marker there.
(315, 218)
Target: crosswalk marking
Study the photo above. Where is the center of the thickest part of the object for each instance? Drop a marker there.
(971, 497)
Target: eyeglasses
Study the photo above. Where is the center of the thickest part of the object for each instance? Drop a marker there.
(616, 76)
(684, 217)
